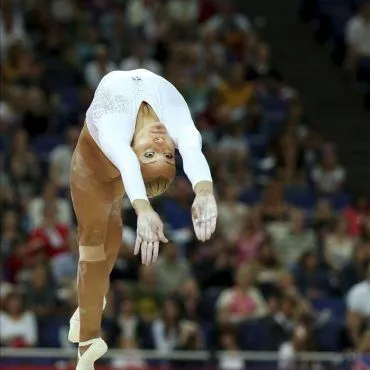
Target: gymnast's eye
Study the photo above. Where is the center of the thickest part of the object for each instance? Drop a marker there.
(169, 155)
(149, 155)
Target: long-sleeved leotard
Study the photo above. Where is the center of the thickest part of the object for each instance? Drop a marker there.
(111, 120)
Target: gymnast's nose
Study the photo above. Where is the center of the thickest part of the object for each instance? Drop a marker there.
(158, 140)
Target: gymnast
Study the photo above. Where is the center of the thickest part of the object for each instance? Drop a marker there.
(127, 146)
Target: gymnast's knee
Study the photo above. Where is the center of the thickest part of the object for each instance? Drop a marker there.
(92, 253)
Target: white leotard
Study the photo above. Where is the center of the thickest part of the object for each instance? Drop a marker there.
(111, 120)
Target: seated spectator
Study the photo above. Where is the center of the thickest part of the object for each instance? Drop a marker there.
(132, 360)
(312, 281)
(358, 308)
(230, 26)
(338, 246)
(139, 58)
(365, 231)
(64, 265)
(233, 147)
(60, 159)
(40, 292)
(12, 106)
(10, 230)
(248, 245)
(229, 360)
(235, 94)
(232, 213)
(296, 241)
(324, 217)
(269, 267)
(189, 297)
(328, 176)
(355, 215)
(280, 325)
(15, 264)
(98, 67)
(242, 301)
(273, 208)
(37, 116)
(49, 196)
(148, 299)
(182, 12)
(358, 41)
(128, 321)
(169, 332)
(260, 65)
(301, 341)
(354, 271)
(18, 325)
(172, 272)
(51, 236)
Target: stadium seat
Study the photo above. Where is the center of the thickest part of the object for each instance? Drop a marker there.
(44, 144)
(251, 334)
(300, 197)
(335, 305)
(250, 196)
(48, 331)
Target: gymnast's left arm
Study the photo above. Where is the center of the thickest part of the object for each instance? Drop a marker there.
(189, 142)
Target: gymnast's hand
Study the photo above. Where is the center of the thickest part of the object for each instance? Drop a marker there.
(204, 214)
(149, 233)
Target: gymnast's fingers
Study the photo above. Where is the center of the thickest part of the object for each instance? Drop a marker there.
(202, 231)
(144, 247)
(137, 245)
(155, 251)
(213, 224)
(149, 253)
(161, 235)
(208, 230)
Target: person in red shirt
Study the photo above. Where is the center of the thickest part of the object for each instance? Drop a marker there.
(355, 215)
(51, 236)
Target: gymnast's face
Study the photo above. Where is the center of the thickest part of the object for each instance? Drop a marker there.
(153, 144)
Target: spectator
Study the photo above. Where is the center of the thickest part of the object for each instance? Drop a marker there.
(60, 159)
(243, 300)
(358, 41)
(358, 308)
(128, 322)
(148, 299)
(15, 264)
(297, 240)
(183, 12)
(280, 325)
(131, 361)
(235, 94)
(18, 325)
(9, 231)
(172, 272)
(167, 328)
(354, 271)
(49, 197)
(190, 299)
(40, 293)
(301, 341)
(232, 213)
(230, 359)
(328, 176)
(98, 67)
(140, 59)
(269, 267)
(339, 246)
(312, 281)
(51, 236)
(324, 216)
(250, 240)
(273, 208)
(12, 106)
(355, 215)
(36, 119)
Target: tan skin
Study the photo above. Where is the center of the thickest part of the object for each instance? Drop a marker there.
(97, 192)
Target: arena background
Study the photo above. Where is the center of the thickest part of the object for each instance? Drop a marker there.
(282, 103)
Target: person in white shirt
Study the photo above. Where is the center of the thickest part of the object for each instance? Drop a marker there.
(127, 146)
(358, 307)
(61, 157)
(358, 35)
(18, 326)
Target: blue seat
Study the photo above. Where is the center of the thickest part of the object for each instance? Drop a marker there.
(44, 144)
(49, 331)
(335, 305)
(209, 300)
(251, 335)
(250, 196)
(300, 197)
(329, 337)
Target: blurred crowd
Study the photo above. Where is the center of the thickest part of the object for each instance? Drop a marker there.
(344, 26)
(289, 266)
